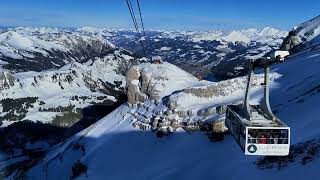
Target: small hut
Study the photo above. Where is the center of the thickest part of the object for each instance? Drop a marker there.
(157, 59)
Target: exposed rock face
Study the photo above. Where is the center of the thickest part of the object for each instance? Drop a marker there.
(6, 80)
(219, 126)
(222, 88)
(133, 74)
(134, 91)
(290, 42)
(140, 86)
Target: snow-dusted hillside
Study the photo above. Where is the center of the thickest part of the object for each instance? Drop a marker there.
(37, 49)
(75, 86)
(113, 146)
(81, 69)
(266, 35)
(214, 53)
(48, 73)
(305, 35)
(53, 84)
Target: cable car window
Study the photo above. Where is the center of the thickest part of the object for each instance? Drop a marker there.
(268, 136)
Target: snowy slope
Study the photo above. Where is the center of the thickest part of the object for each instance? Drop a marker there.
(304, 35)
(73, 85)
(309, 29)
(116, 150)
(37, 49)
(166, 77)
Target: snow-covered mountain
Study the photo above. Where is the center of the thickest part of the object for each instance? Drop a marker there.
(266, 35)
(158, 134)
(38, 65)
(65, 62)
(37, 49)
(70, 89)
(213, 53)
(305, 35)
(164, 101)
(77, 80)
(124, 140)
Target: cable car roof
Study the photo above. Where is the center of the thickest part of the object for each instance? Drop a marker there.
(259, 119)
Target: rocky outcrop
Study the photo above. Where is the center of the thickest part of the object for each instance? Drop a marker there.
(140, 86)
(134, 91)
(6, 80)
(290, 42)
(222, 88)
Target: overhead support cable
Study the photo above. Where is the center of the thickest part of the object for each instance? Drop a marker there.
(136, 26)
(141, 20)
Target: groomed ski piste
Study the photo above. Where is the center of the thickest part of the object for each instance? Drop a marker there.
(114, 149)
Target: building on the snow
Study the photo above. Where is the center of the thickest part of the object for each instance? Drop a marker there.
(157, 59)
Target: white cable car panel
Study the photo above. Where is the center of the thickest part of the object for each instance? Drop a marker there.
(267, 141)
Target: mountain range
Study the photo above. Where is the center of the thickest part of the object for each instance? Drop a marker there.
(64, 114)
(162, 135)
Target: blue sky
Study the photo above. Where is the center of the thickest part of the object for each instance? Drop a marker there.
(160, 14)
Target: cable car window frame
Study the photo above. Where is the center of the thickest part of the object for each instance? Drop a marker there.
(280, 149)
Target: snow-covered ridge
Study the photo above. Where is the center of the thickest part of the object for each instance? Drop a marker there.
(154, 81)
(113, 146)
(265, 35)
(306, 34)
(184, 92)
(42, 39)
(45, 48)
(37, 49)
(309, 29)
(75, 84)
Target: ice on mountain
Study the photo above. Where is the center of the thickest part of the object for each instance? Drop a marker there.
(165, 48)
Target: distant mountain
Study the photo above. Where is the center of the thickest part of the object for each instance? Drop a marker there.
(85, 61)
(214, 53)
(57, 82)
(37, 49)
(162, 135)
(59, 93)
(44, 63)
(201, 53)
(53, 84)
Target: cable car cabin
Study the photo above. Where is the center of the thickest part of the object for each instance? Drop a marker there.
(259, 135)
(256, 129)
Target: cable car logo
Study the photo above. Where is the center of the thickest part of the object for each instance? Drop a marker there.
(252, 148)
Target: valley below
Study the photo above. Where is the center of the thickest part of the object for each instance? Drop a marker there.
(86, 104)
